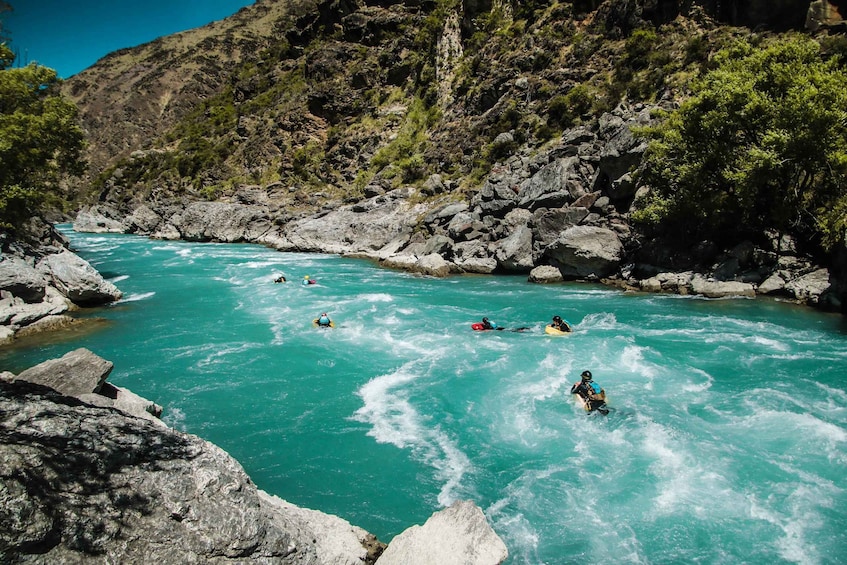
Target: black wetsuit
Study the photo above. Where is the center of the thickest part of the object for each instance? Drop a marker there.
(583, 389)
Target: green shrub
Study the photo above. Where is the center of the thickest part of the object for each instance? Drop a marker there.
(762, 144)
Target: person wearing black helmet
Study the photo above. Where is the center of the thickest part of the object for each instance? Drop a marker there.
(592, 394)
(560, 324)
(489, 325)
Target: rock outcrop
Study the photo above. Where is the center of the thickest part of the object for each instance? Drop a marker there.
(90, 474)
(40, 281)
(438, 542)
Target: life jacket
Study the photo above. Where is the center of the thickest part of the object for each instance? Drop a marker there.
(595, 391)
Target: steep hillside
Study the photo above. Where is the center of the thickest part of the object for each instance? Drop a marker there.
(337, 95)
(518, 112)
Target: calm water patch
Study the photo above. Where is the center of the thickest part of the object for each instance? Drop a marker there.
(726, 443)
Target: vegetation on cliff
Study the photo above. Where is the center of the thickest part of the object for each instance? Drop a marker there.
(761, 144)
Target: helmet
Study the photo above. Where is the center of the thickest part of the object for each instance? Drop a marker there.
(306, 277)
(586, 375)
(557, 318)
(485, 319)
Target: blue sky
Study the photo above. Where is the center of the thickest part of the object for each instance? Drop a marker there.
(71, 35)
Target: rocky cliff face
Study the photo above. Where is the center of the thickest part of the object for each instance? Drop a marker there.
(378, 119)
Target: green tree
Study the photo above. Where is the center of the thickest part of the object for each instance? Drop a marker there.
(40, 139)
(761, 144)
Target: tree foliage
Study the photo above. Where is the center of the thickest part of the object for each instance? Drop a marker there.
(40, 139)
(761, 144)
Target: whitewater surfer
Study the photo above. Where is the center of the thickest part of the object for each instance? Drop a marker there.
(560, 324)
(592, 394)
(323, 321)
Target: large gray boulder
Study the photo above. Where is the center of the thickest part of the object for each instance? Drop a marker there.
(711, 288)
(90, 474)
(143, 220)
(21, 279)
(84, 484)
(363, 227)
(433, 265)
(77, 279)
(221, 221)
(75, 373)
(458, 535)
(555, 185)
(622, 151)
(15, 312)
(545, 274)
(473, 257)
(810, 287)
(515, 252)
(99, 219)
(586, 252)
(548, 225)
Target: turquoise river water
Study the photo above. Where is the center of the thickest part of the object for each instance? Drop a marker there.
(727, 442)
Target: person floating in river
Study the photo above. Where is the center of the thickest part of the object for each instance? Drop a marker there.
(560, 324)
(323, 321)
(280, 279)
(489, 325)
(593, 396)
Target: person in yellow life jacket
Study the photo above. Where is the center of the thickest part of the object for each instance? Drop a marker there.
(591, 393)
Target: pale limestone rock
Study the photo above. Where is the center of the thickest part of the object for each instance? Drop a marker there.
(21, 279)
(720, 289)
(434, 265)
(77, 279)
(587, 251)
(811, 286)
(545, 274)
(337, 542)
(458, 535)
(773, 283)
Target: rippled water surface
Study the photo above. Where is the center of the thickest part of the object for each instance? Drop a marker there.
(726, 443)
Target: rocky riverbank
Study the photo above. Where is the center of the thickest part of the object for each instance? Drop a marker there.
(90, 474)
(561, 213)
(41, 282)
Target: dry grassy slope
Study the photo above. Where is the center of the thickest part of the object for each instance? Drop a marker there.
(133, 95)
(344, 108)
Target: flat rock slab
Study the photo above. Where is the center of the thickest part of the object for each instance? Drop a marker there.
(76, 373)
